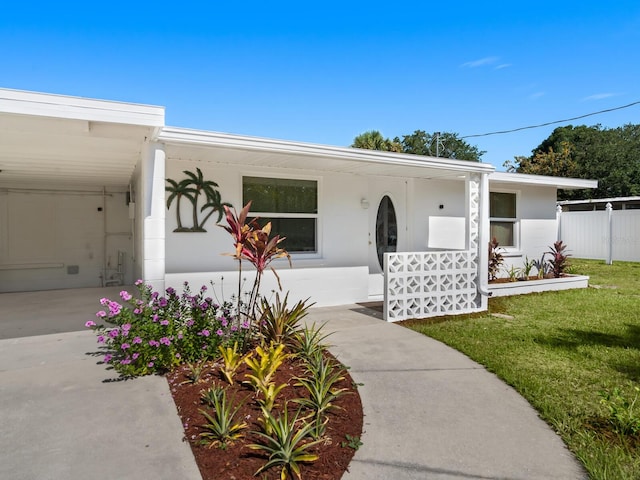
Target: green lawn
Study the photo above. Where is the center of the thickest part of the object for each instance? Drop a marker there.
(560, 350)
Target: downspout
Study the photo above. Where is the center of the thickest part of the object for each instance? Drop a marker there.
(103, 277)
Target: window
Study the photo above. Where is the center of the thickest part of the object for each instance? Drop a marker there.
(503, 218)
(290, 205)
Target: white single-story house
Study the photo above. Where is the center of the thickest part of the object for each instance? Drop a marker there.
(83, 203)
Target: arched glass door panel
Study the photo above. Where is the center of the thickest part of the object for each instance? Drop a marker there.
(386, 229)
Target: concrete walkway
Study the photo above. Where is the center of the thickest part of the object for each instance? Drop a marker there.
(430, 412)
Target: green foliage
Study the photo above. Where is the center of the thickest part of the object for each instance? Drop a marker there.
(445, 144)
(232, 359)
(373, 140)
(195, 371)
(559, 260)
(320, 385)
(352, 441)
(624, 414)
(221, 428)
(513, 273)
(609, 155)
(308, 340)
(495, 259)
(278, 323)
(527, 267)
(212, 395)
(286, 444)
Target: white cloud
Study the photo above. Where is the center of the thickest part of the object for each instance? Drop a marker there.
(536, 95)
(503, 65)
(599, 96)
(480, 62)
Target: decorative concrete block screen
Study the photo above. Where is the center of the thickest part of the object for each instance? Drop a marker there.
(429, 284)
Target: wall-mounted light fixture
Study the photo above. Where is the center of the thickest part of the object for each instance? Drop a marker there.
(364, 203)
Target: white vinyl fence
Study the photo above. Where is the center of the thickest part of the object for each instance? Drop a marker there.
(604, 234)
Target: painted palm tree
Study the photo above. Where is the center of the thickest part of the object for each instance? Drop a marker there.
(177, 191)
(215, 203)
(192, 188)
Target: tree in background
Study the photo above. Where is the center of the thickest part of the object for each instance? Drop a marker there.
(611, 156)
(438, 144)
(374, 140)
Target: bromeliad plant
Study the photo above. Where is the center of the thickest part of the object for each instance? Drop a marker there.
(221, 427)
(232, 359)
(286, 444)
(277, 323)
(320, 384)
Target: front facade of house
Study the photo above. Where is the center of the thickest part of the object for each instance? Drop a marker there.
(83, 202)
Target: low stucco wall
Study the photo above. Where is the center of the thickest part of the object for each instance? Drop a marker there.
(324, 286)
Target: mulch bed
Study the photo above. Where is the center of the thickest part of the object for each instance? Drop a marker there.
(237, 461)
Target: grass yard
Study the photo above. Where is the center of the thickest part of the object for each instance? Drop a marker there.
(561, 350)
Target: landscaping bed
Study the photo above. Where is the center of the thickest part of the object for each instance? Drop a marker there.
(237, 460)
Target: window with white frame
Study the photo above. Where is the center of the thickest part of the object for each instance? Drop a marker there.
(291, 205)
(503, 218)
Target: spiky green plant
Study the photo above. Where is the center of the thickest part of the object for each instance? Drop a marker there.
(278, 322)
(322, 392)
(308, 340)
(195, 371)
(286, 444)
(221, 428)
(211, 395)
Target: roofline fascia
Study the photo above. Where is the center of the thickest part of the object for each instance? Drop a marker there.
(542, 180)
(22, 102)
(599, 200)
(183, 136)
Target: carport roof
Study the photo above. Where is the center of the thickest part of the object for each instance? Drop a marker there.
(52, 140)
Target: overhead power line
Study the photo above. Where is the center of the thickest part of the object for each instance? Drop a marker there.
(552, 123)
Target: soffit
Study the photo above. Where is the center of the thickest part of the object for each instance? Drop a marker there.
(49, 151)
(233, 150)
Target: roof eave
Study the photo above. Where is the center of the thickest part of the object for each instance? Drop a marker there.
(182, 136)
(542, 180)
(77, 108)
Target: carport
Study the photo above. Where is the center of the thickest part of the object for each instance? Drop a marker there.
(69, 170)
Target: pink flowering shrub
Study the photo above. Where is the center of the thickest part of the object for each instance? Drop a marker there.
(149, 333)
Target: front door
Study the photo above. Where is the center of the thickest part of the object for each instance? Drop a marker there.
(387, 226)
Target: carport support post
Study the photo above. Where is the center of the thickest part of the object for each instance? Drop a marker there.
(153, 240)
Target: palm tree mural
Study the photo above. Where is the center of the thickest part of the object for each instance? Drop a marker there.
(177, 191)
(193, 188)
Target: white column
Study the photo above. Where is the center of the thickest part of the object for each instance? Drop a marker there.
(609, 209)
(153, 244)
(477, 188)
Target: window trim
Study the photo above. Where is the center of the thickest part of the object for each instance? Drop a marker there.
(317, 215)
(515, 248)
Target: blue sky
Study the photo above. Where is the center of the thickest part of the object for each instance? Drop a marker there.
(324, 72)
